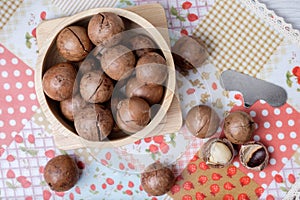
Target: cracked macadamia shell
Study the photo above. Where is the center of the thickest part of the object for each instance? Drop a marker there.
(151, 68)
(202, 121)
(118, 62)
(94, 122)
(254, 155)
(238, 127)
(217, 152)
(61, 173)
(141, 44)
(189, 52)
(152, 93)
(157, 179)
(73, 43)
(133, 114)
(59, 81)
(96, 87)
(105, 28)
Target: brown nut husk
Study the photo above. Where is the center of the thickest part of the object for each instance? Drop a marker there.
(141, 44)
(94, 122)
(254, 155)
(217, 152)
(105, 28)
(73, 43)
(96, 87)
(238, 127)
(202, 121)
(152, 93)
(59, 81)
(151, 69)
(118, 62)
(133, 114)
(189, 52)
(157, 179)
(61, 173)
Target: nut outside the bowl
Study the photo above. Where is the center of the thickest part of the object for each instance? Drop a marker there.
(254, 155)
(47, 57)
(217, 152)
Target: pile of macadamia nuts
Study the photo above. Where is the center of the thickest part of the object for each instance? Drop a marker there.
(238, 127)
(202, 121)
(96, 59)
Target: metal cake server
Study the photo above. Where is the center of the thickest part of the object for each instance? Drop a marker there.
(253, 89)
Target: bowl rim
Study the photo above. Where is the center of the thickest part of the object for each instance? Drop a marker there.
(57, 126)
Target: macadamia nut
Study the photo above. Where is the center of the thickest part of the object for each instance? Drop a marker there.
(90, 63)
(71, 105)
(152, 93)
(96, 87)
(133, 114)
(94, 122)
(61, 173)
(59, 81)
(118, 62)
(217, 152)
(254, 155)
(105, 28)
(202, 121)
(73, 43)
(151, 68)
(157, 179)
(238, 127)
(189, 52)
(141, 44)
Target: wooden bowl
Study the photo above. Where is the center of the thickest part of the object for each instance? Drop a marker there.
(48, 56)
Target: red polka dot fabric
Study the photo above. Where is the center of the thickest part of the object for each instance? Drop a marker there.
(17, 98)
(279, 134)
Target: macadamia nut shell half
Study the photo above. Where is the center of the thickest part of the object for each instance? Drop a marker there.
(254, 155)
(217, 152)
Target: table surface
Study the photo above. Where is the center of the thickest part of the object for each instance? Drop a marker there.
(25, 135)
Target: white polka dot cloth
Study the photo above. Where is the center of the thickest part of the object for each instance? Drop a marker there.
(236, 38)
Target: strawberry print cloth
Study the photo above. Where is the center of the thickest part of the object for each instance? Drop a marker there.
(26, 142)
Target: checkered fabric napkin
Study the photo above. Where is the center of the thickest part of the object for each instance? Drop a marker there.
(236, 38)
(7, 9)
